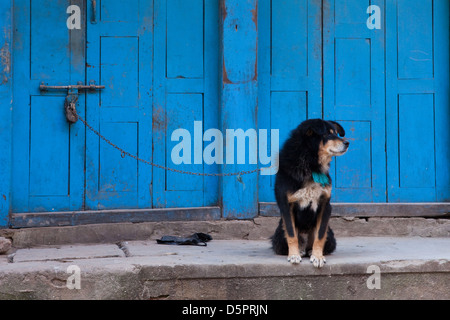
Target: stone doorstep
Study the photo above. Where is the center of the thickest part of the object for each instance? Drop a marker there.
(410, 268)
(257, 229)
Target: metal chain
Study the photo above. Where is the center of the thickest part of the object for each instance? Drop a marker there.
(126, 153)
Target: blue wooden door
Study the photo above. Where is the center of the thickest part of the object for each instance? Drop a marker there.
(354, 96)
(289, 70)
(318, 59)
(47, 152)
(158, 61)
(387, 86)
(119, 56)
(185, 97)
(417, 100)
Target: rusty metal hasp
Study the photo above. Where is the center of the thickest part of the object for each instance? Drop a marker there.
(70, 103)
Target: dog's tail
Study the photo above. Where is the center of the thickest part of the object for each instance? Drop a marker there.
(279, 242)
(330, 243)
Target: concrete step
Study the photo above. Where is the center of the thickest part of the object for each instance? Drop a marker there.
(259, 228)
(361, 268)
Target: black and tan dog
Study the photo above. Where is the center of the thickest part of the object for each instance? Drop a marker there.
(303, 190)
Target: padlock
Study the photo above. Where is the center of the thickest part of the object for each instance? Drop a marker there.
(70, 107)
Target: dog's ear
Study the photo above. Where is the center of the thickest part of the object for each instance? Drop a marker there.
(339, 128)
(317, 126)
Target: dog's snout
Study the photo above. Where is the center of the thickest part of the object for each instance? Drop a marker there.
(346, 143)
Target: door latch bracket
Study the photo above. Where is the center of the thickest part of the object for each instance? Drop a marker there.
(71, 100)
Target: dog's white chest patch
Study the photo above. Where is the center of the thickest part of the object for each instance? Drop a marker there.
(310, 195)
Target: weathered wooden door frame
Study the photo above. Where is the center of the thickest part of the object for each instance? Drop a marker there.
(6, 99)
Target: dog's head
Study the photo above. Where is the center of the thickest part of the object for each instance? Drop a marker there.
(327, 135)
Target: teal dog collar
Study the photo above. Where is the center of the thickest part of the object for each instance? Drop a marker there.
(321, 178)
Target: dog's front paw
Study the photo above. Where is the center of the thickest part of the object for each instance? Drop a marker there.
(317, 261)
(294, 259)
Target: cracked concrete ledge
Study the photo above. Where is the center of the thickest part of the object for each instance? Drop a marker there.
(67, 253)
(410, 268)
(257, 229)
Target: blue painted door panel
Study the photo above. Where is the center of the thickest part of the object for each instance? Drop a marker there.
(354, 96)
(47, 152)
(185, 93)
(417, 100)
(119, 56)
(289, 70)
